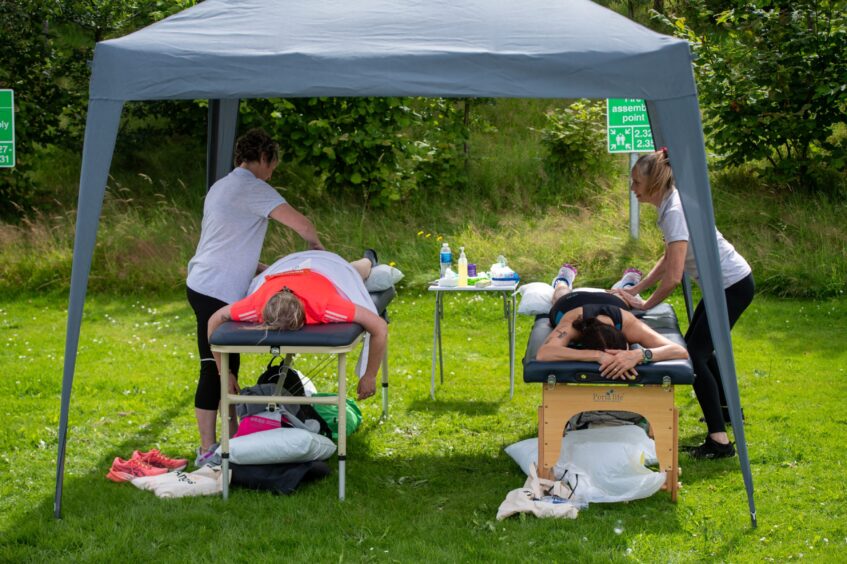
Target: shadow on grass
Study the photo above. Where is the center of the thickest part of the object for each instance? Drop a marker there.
(137, 441)
(468, 407)
(440, 503)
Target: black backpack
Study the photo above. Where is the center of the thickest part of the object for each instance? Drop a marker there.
(292, 385)
(291, 382)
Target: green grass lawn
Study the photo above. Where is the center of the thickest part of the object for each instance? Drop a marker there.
(424, 484)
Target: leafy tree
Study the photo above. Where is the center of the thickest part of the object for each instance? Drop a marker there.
(772, 77)
(378, 150)
(49, 44)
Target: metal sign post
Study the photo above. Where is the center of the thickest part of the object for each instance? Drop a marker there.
(7, 128)
(633, 201)
(628, 131)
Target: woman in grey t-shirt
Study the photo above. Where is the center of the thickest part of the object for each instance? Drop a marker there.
(235, 219)
(652, 183)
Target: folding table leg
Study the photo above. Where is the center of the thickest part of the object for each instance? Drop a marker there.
(436, 345)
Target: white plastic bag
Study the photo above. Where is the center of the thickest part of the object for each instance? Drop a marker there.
(606, 464)
(603, 464)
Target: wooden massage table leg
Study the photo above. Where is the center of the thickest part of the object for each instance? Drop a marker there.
(560, 402)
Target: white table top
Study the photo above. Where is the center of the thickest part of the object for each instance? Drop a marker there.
(508, 288)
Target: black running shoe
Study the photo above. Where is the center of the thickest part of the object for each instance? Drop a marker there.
(370, 254)
(711, 449)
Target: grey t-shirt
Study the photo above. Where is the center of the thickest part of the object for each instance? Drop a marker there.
(672, 223)
(235, 219)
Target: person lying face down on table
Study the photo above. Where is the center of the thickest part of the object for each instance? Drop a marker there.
(602, 324)
(287, 300)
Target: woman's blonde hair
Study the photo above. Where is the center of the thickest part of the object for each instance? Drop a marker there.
(655, 172)
(284, 312)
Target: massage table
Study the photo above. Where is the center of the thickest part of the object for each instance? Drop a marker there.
(571, 387)
(332, 339)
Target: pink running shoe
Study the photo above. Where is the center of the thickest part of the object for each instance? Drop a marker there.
(155, 458)
(125, 470)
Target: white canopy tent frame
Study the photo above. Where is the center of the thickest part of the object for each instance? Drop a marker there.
(227, 50)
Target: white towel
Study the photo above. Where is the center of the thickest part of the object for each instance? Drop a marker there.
(344, 277)
(205, 481)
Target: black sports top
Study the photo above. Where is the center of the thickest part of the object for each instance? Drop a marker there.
(592, 304)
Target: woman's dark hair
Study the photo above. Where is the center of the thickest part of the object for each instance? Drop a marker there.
(599, 336)
(254, 146)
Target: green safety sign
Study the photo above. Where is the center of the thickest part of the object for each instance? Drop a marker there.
(7, 128)
(628, 126)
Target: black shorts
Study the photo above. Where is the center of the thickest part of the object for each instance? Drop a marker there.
(577, 299)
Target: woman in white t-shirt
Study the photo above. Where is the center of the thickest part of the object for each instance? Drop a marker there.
(235, 220)
(653, 183)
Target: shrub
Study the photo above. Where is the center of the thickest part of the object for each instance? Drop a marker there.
(575, 139)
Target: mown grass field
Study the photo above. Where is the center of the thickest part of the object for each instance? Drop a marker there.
(424, 484)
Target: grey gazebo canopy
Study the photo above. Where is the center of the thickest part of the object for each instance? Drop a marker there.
(225, 50)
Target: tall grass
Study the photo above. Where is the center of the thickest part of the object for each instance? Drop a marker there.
(151, 217)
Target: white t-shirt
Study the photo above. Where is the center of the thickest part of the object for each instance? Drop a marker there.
(235, 219)
(672, 223)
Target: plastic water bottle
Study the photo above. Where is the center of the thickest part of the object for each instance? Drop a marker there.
(446, 258)
(463, 268)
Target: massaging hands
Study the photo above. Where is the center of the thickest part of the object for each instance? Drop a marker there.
(634, 302)
(617, 364)
(367, 386)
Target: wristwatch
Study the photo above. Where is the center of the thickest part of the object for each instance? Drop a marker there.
(646, 356)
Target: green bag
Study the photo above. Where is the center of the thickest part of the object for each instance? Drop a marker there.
(329, 413)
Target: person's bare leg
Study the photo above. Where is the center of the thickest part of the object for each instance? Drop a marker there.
(206, 424)
(563, 283)
(560, 290)
(721, 438)
(362, 266)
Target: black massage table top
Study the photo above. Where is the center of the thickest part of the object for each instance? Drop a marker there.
(661, 319)
(237, 333)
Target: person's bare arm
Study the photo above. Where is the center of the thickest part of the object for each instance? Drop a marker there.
(648, 281)
(673, 264)
(556, 347)
(621, 363)
(290, 217)
(219, 318)
(636, 331)
(378, 329)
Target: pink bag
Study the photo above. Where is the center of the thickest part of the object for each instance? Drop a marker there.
(254, 424)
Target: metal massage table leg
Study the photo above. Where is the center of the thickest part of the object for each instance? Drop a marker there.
(224, 407)
(385, 383)
(342, 423)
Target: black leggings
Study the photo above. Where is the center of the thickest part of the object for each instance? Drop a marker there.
(208, 393)
(707, 383)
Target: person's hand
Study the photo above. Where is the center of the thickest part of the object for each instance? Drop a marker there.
(233, 384)
(317, 246)
(634, 302)
(367, 386)
(617, 364)
(261, 267)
